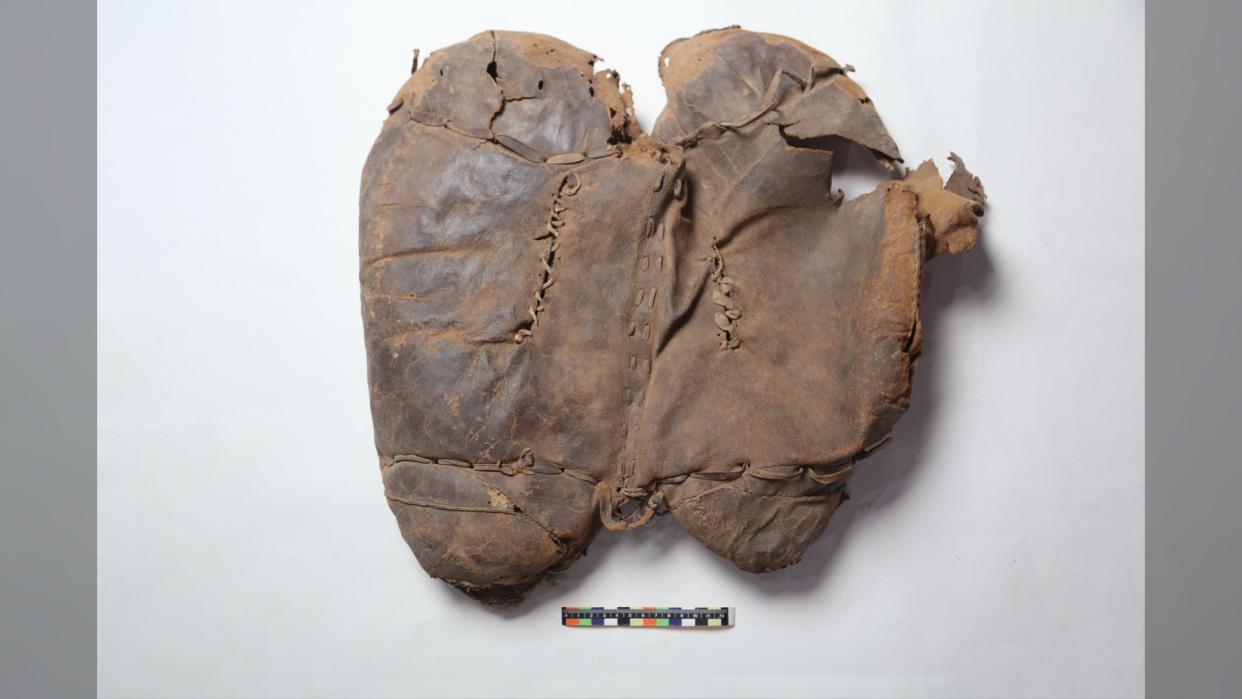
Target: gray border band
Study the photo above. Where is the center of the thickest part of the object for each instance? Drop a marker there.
(47, 356)
(1194, 253)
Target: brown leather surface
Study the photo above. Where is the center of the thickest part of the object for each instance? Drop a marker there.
(569, 322)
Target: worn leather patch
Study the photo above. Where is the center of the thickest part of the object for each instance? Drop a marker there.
(571, 323)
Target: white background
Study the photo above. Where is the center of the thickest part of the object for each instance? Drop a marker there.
(245, 548)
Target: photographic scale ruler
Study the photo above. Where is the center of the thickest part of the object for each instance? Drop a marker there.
(657, 617)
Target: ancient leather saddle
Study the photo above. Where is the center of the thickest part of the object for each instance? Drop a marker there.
(571, 322)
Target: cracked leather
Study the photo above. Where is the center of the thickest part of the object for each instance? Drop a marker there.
(572, 323)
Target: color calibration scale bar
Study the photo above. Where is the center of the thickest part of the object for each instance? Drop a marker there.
(674, 617)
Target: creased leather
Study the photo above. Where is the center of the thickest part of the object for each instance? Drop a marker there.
(571, 323)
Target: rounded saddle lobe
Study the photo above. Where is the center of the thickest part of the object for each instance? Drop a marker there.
(760, 526)
(497, 224)
(726, 79)
(489, 535)
(570, 323)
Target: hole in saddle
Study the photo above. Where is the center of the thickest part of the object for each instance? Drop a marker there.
(855, 169)
(627, 509)
(540, 85)
(491, 69)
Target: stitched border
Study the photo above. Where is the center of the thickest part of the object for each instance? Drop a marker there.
(526, 464)
(722, 295)
(651, 497)
(551, 232)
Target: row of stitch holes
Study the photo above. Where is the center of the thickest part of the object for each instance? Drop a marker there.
(655, 501)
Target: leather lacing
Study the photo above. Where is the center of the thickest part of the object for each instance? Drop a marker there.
(624, 508)
(722, 295)
(570, 185)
